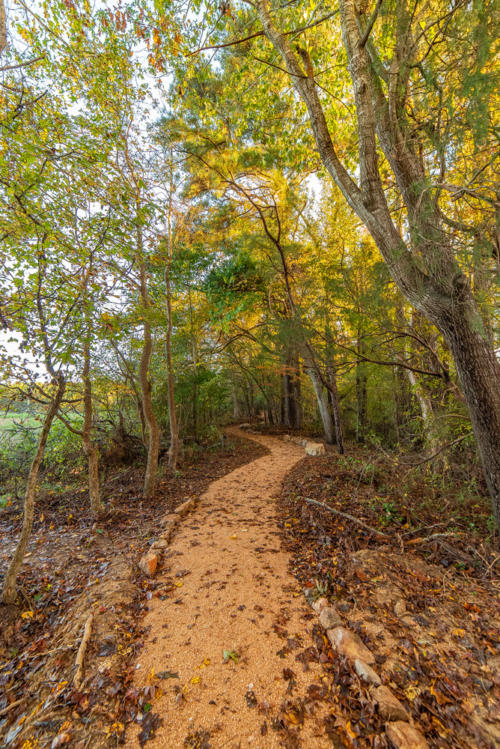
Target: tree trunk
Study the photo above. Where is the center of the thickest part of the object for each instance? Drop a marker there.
(194, 365)
(294, 405)
(175, 445)
(9, 585)
(236, 405)
(142, 418)
(3, 27)
(153, 429)
(431, 436)
(398, 394)
(89, 447)
(289, 415)
(322, 401)
(334, 402)
(479, 374)
(360, 395)
(333, 393)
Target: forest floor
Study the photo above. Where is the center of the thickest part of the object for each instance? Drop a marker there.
(424, 597)
(221, 648)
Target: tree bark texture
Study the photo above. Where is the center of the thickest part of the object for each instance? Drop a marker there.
(322, 401)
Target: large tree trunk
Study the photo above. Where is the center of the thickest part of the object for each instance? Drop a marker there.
(479, 374)
(89, 447)
(9, 584)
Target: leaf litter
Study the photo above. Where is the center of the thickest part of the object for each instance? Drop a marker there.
(429, 612)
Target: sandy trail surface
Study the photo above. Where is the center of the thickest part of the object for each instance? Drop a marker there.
(234, 594)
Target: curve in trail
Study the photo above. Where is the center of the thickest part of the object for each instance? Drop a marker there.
(237, 595)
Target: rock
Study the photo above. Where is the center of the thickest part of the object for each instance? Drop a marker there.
(408, 620)
(160, 543)
(315, 448)
(366, 673)
(328, 617)
(185, 507)
(149, 563)
(403, 736)
(319, 604)
(400, 607)
(168, 520)
(167, 535)
(245, 426)
(286, 438)
(349, 644)
(389, 706)
(387, 595)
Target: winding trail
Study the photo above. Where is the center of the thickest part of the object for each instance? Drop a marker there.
(236, 594)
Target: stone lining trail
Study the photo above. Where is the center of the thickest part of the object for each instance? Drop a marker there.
(236, 595)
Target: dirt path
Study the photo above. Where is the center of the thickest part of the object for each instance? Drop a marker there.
(234, 594)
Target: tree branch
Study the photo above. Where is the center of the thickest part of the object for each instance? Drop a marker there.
(346, 515)
(371, 23)
(232, 43)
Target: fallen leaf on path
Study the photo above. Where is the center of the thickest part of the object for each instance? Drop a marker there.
(149, 725)
(60, 740)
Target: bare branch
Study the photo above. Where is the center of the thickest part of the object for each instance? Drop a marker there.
(346, 515)
(232, 43)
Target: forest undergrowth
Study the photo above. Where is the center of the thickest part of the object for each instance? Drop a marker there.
(423, 596)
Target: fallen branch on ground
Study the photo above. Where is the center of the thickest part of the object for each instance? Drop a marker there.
(349, 517)
(81, 651)
(433, 537)
(422, 528)
(9, 707)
